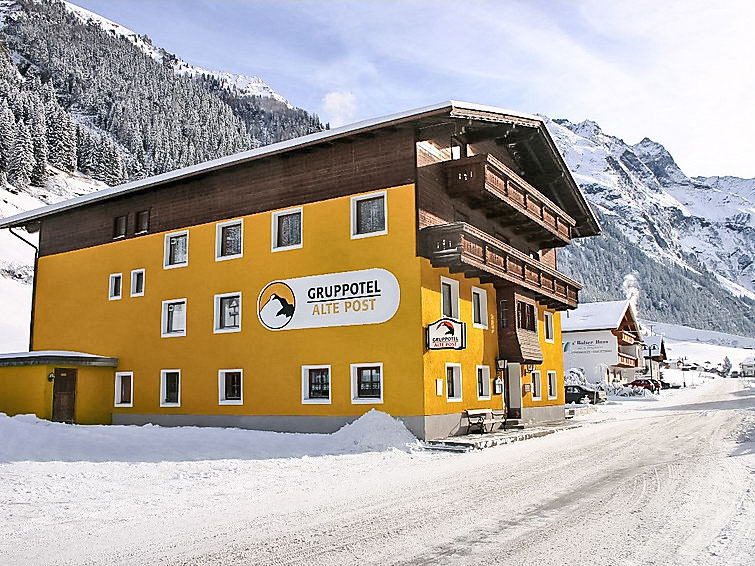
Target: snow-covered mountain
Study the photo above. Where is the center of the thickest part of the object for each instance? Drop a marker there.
(693, 222)
(243, 85)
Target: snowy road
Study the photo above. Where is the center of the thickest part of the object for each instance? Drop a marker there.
(666, 482)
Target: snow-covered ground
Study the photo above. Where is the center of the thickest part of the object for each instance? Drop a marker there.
(658, 480)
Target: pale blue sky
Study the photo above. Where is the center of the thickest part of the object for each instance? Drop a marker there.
(679, 72)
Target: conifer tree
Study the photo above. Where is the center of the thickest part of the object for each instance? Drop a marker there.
(22, 159)
(39, 145)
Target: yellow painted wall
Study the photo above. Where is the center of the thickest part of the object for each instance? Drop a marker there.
(553, 361)
(482, 344)
(26, 390)
(72, 294)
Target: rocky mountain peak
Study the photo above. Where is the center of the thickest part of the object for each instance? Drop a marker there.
(659, 161)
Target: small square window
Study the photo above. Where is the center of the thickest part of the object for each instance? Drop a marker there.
(367, 383)
(483, 383)
(230, 387)
(369, 215)
(228, 312)
(552, 384)
(287, 229)
(229, 240)
(119, 227)
(453, 382)
(479, 308)
(170, 388)
(536, 388)
(548, 323)
(142, 222)
(124, 389)
(176, 249)
(137, 283)
(115, 286)
(174, 318)
(449, 297)
(315, 385)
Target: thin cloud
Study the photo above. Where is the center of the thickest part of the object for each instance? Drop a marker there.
(339, 108)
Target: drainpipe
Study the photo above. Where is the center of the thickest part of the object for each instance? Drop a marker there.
(33, 286)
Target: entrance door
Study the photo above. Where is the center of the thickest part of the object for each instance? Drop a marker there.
(514, 391)
(64, 395)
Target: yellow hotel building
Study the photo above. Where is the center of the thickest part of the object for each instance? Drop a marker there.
(405, 264)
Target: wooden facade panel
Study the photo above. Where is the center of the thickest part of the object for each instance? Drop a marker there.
(273, 182)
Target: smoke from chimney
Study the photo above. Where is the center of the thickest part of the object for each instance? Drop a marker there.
(631, 288)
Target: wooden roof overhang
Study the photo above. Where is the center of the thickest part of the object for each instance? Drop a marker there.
(462, 248)
(526, 135)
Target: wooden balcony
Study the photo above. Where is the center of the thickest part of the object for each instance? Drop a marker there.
(624, 338)
(486, 183)
(627, 361)
(464, 248)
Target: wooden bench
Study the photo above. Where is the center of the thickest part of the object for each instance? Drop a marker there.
(480, 418)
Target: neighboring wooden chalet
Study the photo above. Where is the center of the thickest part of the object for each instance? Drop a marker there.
(406, 263)
(604, 340)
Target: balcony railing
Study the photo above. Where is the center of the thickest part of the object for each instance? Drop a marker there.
(624, 338)
(487, 183)
(464, 248)
(628, 361)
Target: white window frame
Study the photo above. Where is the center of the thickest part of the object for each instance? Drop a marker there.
(454, 296)
(274, 229)
(118, 376)
(166, 249)
(548, 324)
(218, 241)
(354, 389)
(354, 201)
(306, 399)
(164, 318)
(217, 313)
(457, 386)
(549, 374)
(221, 387)
(163, 373)
(539, 383)
(144, 282)
(487, 378)
(110, 295)
(483, 294)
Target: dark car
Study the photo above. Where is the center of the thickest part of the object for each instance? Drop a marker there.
(658, 385)
(645, 384)
(575, 394)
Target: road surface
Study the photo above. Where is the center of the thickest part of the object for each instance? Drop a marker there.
(666, 482)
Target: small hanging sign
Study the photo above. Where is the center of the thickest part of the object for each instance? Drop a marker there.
(446, 334)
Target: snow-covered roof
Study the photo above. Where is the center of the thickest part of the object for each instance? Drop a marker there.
(749, 361)
(595, 316)
(454, 108)
(44, 357)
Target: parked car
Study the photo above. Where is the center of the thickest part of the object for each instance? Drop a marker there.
(667, 385)
(734, 374)
(658, 384)
(575, 394)
(645, 384)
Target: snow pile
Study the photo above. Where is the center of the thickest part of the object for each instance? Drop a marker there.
(375, 431)
(25, 437)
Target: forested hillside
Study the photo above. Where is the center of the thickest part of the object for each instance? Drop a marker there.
(83, 97)
(668, 292)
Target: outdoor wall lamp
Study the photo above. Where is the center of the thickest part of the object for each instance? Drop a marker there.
(51, 376)
(500, 363)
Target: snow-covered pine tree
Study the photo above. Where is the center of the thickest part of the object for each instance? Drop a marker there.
(7, 136)
(22, 159)
(39, 147)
